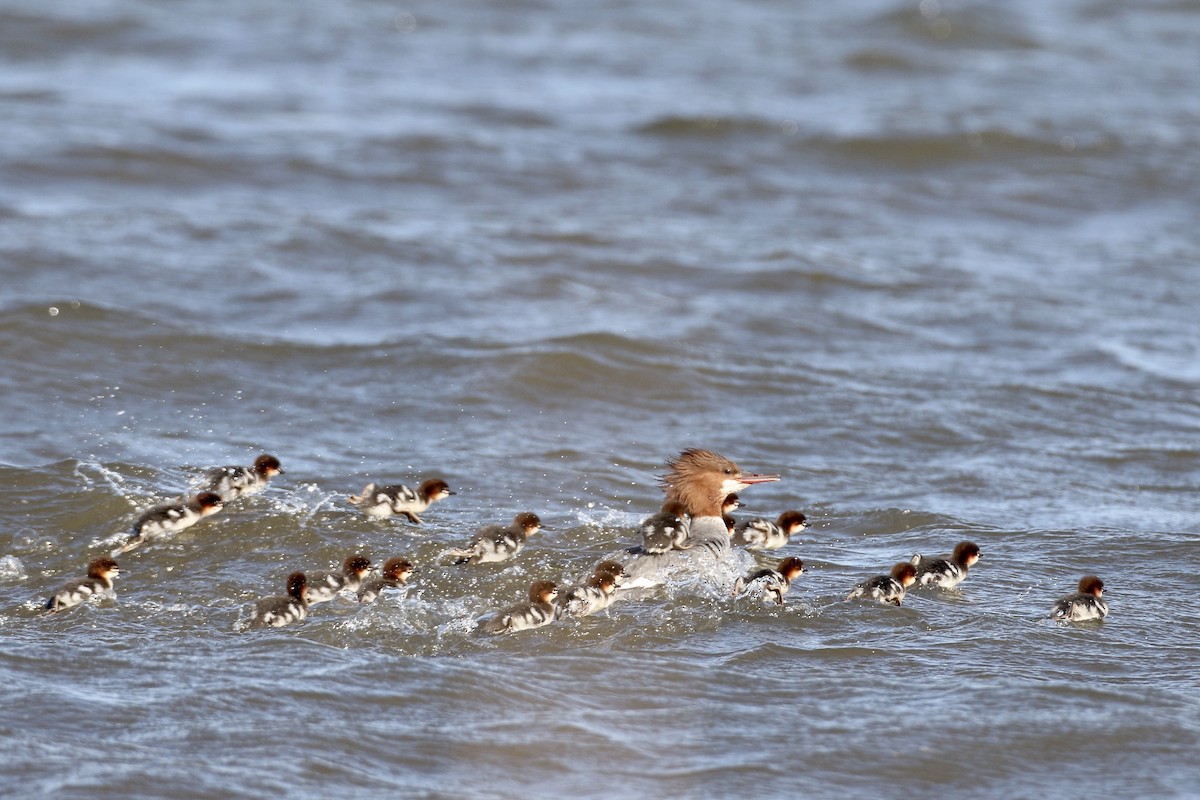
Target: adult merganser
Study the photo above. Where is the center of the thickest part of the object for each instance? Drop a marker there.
(396, 572)
(537, 612)
(699, 480)
(497, 543)
(946, 573)
(279, 610)
(763, 534)
(887, 588)
(770, 584)
(383, 501)
(233, 482)
(168, 518)
(1086, 604)
(99, 580)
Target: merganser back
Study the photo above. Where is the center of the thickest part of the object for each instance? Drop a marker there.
(666, 530)
(383, 501)
(1086, 604)
(770, 584)
(324, 586)
(699, 480)
(496, 543)
(168, 518)
(99, 580)
(595, 595)
(537, 612)
(279, 610)
(763, 534)
(233, 482)
(946, 573)
(887, 588)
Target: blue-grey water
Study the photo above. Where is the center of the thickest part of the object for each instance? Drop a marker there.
(935, 263)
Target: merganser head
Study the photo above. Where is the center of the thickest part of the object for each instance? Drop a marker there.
(966, 554)
(528, 522)
(397, 569)
(611, 568)
(1090, 584)
(543, 592)
(365, 496)
(791, 522)
(356, 565)
(789, 568)
(605, 582)
(297, 586)
(702, 479)
(267, 466)
(435, 489)
(104, 569)
(208, 503)
(905, 573)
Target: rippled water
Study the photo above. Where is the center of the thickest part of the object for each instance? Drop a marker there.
(935, 263)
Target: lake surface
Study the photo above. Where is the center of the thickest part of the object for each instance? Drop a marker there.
(934, 263)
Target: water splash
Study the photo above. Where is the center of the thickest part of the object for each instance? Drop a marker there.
(11, 569)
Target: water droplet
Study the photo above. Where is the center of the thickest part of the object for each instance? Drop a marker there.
(53, 311)
(405, 22)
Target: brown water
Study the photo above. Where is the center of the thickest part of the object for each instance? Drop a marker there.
(935, 264)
